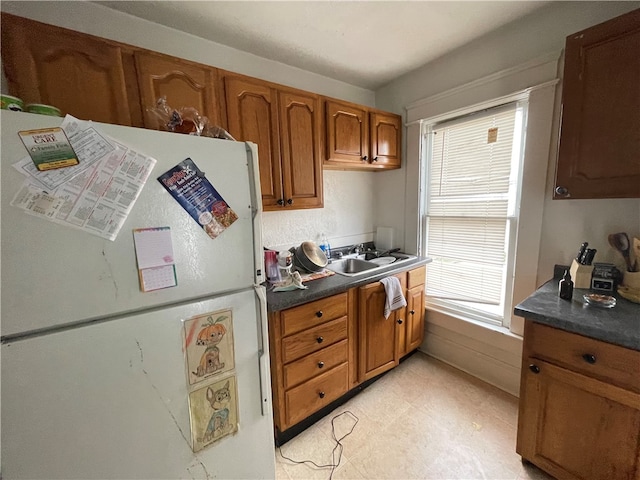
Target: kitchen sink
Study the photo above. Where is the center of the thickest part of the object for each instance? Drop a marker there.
(353, 265)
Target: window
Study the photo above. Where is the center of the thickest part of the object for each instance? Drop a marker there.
(472, 187)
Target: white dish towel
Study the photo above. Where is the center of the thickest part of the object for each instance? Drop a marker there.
(395, 297)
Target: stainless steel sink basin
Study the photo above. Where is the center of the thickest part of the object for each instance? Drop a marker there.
(351, 266)
(354, 265)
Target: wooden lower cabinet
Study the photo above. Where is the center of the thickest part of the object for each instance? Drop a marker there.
(414, 330)
(323, 349)
(579, 406)
(311, 353)
(380, 337)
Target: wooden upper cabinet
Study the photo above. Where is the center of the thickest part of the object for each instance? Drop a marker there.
(359, 138)
(599, 153)
(347, 134)
(285, 124)
(386, 136)
(81, 75)
(183, 83)
(300, 117)
(252, 114)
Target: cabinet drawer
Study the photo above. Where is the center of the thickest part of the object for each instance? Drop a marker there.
(313, 339)
(611, 363)
(416, 277)
(315, 364)
(311, 314)
(318, 392)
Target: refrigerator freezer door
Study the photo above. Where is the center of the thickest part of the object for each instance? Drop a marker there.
(109, 400)
(55, 275)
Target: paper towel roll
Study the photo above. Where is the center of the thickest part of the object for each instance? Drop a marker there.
(384, 238)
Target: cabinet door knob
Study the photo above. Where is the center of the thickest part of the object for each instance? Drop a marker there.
(400, 321)
(319, 313)
(412, 312)
(321, 394)
(320, 364)
(290, 201)
(562, 191)
(320, 339)
(589, 358)
(534, 368)
(280, 202)
(375, 159)
(365, 158)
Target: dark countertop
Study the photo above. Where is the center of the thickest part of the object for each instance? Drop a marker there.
(619, 325)
(325, 287)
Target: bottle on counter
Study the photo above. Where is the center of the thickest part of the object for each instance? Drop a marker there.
(325, 246)
(565, 287)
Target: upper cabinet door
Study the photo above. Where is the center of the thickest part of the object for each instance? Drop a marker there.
(183, 83)
(54, 66)
(599, 153)
(252, 114)
(347, 134)
(385, 140)
(300, 117)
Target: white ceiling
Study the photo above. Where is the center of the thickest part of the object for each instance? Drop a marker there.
(363, 43)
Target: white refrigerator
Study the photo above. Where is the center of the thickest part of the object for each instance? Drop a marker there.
(94, 376)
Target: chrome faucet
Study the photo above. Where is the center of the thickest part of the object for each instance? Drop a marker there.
(358, 249)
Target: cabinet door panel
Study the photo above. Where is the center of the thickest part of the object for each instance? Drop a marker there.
(576, 427)
(347, 134)
(415, 318)
(379, 342)
(80, 74)
(385, 140)
(300, 119)
(252, 115)
(184, 84)
(600, 138)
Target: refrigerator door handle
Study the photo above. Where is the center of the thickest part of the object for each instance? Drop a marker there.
(263, 352)
(256, 210)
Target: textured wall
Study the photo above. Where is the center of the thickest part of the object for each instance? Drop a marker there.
(347, 217)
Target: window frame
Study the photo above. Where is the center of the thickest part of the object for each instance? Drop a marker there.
(499, 316)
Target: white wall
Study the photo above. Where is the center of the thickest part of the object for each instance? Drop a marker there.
(565, 223)
(347, 217)
(349, 205)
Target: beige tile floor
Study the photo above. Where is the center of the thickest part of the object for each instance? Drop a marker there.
(423, 420)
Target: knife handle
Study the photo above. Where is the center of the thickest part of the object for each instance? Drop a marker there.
(590, 255)
(582, 252)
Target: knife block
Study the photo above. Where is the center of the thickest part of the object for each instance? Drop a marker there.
(581, 274)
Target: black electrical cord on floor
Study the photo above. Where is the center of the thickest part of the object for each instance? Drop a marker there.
(338, 445)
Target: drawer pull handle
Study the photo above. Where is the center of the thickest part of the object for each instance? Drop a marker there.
(319, 313)
(320, 364)
(412, 312)
(589, 358)
(321, 394)
(320, 339)
(534, 368)
(400, 321)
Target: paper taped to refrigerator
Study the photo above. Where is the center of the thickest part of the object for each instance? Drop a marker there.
(96, 199)
(189, 186)
(154, 254)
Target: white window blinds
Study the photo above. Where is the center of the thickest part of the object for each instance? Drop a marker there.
(471, 192)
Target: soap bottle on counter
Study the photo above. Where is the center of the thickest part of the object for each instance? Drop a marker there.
(325, 246)
(565, 287)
